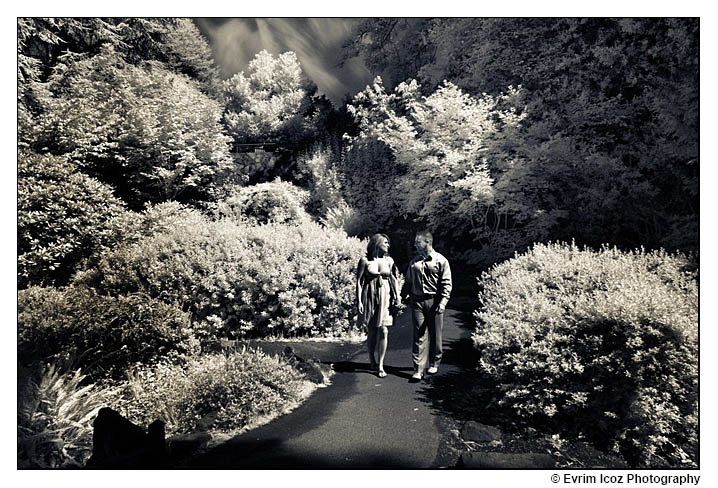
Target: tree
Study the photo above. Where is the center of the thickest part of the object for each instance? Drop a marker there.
(272, 102)
(174, 42)
(610, 137)
(149, 132)
(395, 47)
(447, 152)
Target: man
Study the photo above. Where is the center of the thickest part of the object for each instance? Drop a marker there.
(428, 287)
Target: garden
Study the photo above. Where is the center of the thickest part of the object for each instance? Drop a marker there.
(556, 160)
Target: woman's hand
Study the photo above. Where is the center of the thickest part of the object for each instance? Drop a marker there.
(361, 307)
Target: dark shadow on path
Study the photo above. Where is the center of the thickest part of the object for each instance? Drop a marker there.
(354, 367)
(247, 453)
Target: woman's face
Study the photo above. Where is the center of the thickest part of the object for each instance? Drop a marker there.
(383, 245)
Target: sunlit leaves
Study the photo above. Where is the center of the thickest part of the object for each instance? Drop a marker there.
(62, 218)
(150, 132)
(270, 101)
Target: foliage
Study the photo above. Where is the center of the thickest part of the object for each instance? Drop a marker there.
(235, 389)
(55, 411)
(395, 47)
(369, 174)
(44, 43)
(278, 201)
(448, 150)
(174, 42)
(346, 218)
(62, 218)
(149, 132)
(104, 334)
(241, 280)
(272, 102)
(316, 170)
(608, 149)
(597, 344)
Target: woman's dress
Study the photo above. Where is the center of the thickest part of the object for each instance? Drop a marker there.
(376, 297)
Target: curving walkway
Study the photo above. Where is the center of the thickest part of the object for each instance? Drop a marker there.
(359, 421)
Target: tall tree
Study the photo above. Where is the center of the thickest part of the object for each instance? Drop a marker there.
(610, 136)
(447, 154)
(272, 102)
(149, 132)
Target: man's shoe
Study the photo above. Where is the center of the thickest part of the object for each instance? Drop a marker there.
(415, 378)
(432, 370)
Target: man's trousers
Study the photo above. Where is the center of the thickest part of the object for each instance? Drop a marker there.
(426, 323)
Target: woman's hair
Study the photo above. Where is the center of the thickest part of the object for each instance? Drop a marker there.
(371, 247)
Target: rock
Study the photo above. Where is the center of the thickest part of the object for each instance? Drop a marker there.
(474, 431)
(500, 460)
(118, 443)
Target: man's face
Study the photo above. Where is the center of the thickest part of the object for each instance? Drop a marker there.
(422, 245)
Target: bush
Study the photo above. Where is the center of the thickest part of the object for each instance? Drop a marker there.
(62, 218)
(242, 280)
(103, 334)
(316, 170)
(54, 418)
(234, 389)
(278, 201)
(346, 218)
(597, 344)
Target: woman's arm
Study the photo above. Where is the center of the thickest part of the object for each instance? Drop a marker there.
(360, 273)
(394, 282)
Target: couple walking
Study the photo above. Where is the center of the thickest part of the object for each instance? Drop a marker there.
(427, 288)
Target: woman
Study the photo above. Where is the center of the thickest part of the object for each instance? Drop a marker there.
(377, 290)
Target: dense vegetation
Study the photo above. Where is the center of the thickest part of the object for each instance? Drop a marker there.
(585, 129)
(598, 345)
(147, 230)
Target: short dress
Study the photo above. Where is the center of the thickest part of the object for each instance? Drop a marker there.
(376, 297)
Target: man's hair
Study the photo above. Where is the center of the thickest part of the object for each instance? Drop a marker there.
(426, 235)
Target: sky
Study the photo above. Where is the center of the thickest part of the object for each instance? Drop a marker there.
(317, 43)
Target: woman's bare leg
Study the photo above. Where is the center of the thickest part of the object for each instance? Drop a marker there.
(383, 342)
(371, 342)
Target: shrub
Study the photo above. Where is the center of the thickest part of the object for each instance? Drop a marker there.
(235, 389)
(105, 334)
(277, 201)
(54, 418)
(316, 170)
(130, 227)
(347, 218)
(62, 218)
(242, 280)
(599, 344)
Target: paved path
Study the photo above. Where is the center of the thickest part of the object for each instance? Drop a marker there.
(359, 421)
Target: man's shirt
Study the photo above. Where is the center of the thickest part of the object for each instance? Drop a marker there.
(429, 276)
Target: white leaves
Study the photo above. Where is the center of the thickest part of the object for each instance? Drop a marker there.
(270, 98)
